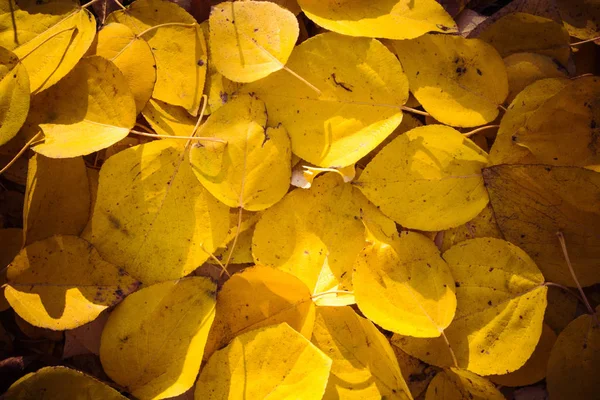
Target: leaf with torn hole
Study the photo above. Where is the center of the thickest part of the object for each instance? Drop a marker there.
(47, 295)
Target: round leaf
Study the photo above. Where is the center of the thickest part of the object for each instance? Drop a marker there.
(404, 286)
(361, 88)
(252, 39)
(458, 384)
(500, 307)
(148, 190)
(460, 82)
(274, 361)
(428, 178)
(162, 347)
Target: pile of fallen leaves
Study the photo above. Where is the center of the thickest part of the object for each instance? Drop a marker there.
(349, 199)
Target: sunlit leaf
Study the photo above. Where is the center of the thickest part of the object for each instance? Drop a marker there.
(361, 90)
(458, 384)
(275, 362)
(429, 178)
(251, 39)
(14, 95)
(47, 295)
(165, 343)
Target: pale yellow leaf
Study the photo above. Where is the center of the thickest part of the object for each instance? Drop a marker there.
(14, 95)
(458, 384)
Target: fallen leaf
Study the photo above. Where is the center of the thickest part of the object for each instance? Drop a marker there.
(14, 95)
(455, 383)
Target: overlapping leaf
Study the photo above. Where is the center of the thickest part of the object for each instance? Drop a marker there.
(14, 95)
(352, 102)
(166, 341)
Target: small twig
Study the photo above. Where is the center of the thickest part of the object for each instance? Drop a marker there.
(144, 127)
(443, 335)
(483, 128)
(86, 5)
(120, 5)
(153, 135)
(20, 153)
(165, 25)
(566, 289)
(563, 245)
(314, 296)
(415, 111)
(584, 41)
(215, 259)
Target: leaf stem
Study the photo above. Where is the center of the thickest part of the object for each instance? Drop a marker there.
(563, 245)
(153, 135)
(477, 130)
(120, 5)
(585, 41)
(165, 25)
(565, 289)
(314, 296)
(415, 111)
(443, 335)
(20, 153)
(235, 238)
(215, 259)
(45, 41)
(86, 5)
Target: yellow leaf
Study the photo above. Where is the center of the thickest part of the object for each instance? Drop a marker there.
(500, 308)
(523, 69)
(58, 383)
(14, 95)
(575, 109)
(179, 49)
(11, 241)
(157, 353)
(275, 362)
(251, 39)
(581, 18)
(364, 365)
(483, 225)
(534, 369)
(132, 55)
(218, 89)
(520, 32)
(252, 170)
(458, 384)
(391, 19)
(144, 192)
(314, 234)
(46, 294)
(57, 198)
(167, 119)
(258, 297)
(533, 202)
(428, 178)
(575, 360)
(460, 82)
(361, 88)
(504, 149)
(404, 286)
(242, 252)
(48, 37)
(89, 110)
